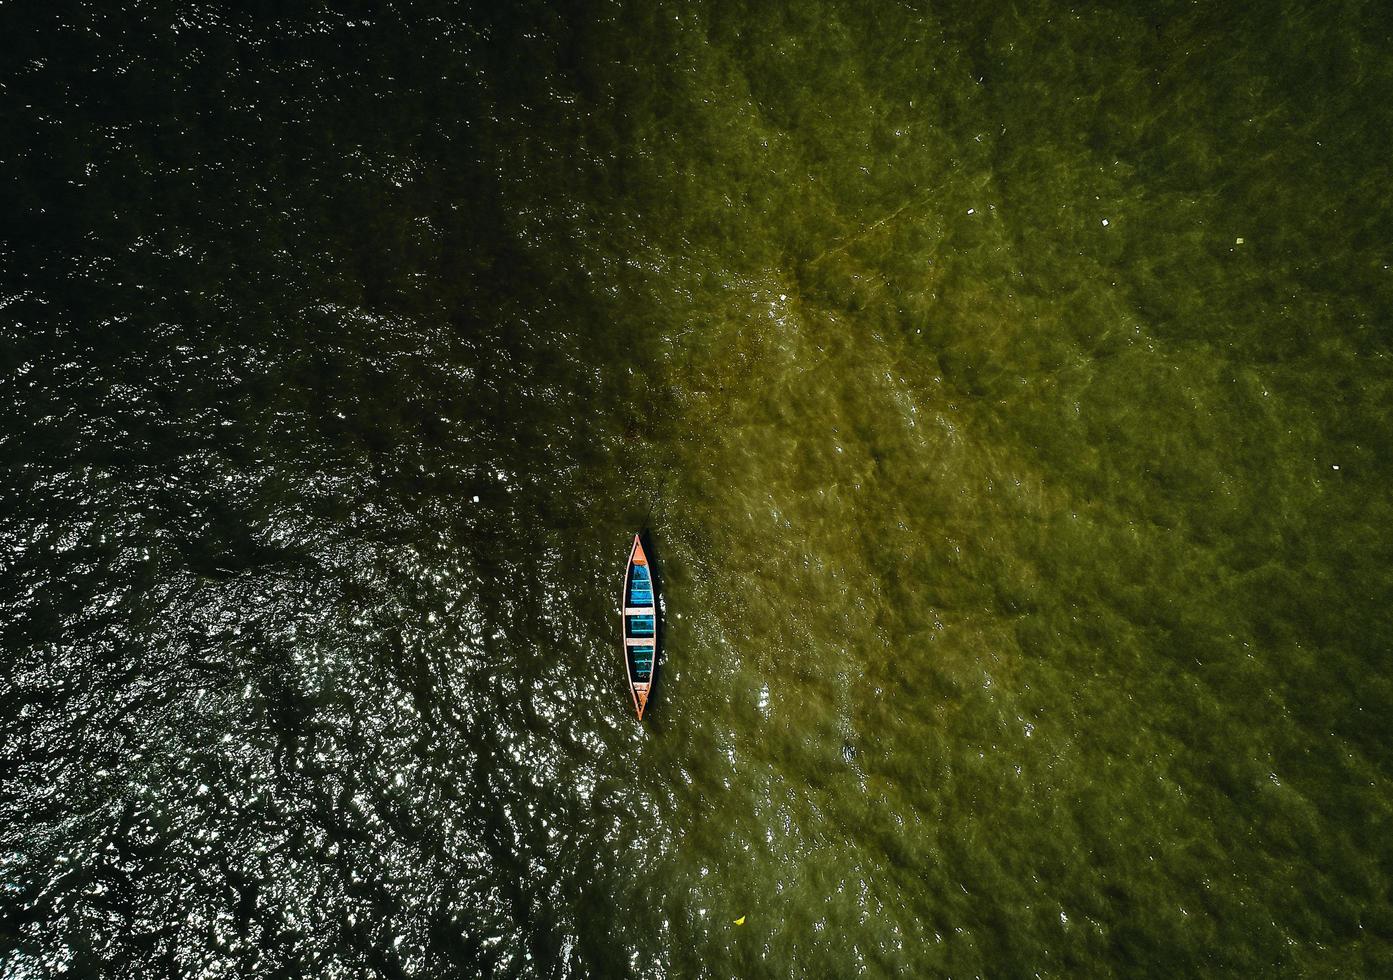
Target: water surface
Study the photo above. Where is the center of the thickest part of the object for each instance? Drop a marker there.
(1005, 392)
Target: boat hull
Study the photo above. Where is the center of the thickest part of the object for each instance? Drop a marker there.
(638, 631)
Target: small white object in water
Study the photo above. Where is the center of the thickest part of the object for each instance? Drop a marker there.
(1238, 241)
(1105, 222)
(476, 499)
(971, 210)
(1334, 466)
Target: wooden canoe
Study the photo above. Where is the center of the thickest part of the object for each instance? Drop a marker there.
(639, 632)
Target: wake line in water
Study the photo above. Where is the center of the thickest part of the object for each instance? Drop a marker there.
(848, 242)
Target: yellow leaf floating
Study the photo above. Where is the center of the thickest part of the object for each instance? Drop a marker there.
(740, 921)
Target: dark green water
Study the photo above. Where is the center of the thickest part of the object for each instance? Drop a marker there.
(1006, 390)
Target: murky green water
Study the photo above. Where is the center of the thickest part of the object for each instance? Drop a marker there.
(1006, 392)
